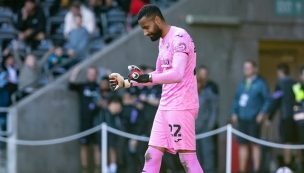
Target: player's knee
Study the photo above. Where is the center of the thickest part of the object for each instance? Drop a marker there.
(148, 156)
(153, 154)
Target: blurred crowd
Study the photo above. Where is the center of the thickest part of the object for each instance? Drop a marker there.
(42, 39)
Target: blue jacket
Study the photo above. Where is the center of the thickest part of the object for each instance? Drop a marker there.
(251, 101)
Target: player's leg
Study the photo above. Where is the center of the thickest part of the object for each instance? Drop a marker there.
(189, 161)
(157, 144)
(182, 127)
(153, 159)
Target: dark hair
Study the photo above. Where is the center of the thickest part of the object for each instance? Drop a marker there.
(115, 99)
(76, 4)
(32, 1)
(105, 77)
(150, 11)
(252, 62)
(203, 67)
(284, 68)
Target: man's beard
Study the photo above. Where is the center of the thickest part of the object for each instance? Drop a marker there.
(155, 36)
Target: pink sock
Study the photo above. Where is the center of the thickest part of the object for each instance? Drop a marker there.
(153, 158)
(190, 162)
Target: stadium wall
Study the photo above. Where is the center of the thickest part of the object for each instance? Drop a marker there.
(53, 111)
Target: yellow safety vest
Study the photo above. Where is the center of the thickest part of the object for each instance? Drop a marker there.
(298, 92)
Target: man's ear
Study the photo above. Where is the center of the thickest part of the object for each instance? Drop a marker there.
(157, 20)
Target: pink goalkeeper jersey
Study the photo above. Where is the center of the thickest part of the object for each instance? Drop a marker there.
(175, 69)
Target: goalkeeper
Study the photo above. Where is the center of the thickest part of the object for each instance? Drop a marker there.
(173, 128)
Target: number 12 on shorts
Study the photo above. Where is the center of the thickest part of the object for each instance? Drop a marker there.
(175, 130)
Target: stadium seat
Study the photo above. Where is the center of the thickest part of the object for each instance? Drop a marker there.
(115, 23)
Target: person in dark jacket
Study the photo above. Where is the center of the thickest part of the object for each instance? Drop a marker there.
(298, 90)
(89, 95)
(283, 100)
(113, 118)
(31, 23)
(133, 122)
(207, 118)
(250, 106)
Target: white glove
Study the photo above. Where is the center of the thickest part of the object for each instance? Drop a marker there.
(117, 81)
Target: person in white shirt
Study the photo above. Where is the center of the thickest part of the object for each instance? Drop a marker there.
(88, 18)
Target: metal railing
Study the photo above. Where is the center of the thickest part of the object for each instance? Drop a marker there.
(105, 129)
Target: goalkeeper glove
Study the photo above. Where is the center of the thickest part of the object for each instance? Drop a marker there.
(117, 81)
(137, 75)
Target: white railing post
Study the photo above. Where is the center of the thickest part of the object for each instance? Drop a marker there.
(11, 156)
(229, 148)
(104, 148)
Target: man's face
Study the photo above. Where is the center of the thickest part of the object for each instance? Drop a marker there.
(75, 11)
(280, 74)
(150, 27)
(29, 6)
(249, 69)
(104, 85)
(9, 61)
(202, 74)
(91, 75)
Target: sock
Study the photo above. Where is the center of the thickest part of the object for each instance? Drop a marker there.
(153, 158)
(190, 162)
(113, 168)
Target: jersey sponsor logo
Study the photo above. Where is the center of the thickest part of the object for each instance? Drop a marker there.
(165, 63)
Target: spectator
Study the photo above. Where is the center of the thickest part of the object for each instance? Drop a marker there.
(88, 19)
(105, 92)
(31, 23)
(96, 6)
(133, 122)
(298, 90)
(8, 84)
(150, 97)
(78, 39)
(30, 73)
(89, 93)
(113, 118)
(250, 106)
(56, 60)
(283, 99)
(12, 70)
(4, 101)
(207, 118)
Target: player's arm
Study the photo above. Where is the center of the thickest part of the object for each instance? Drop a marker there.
(177, 71)
(175, 74)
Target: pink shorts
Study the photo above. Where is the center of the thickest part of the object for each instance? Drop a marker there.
(174, 130)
